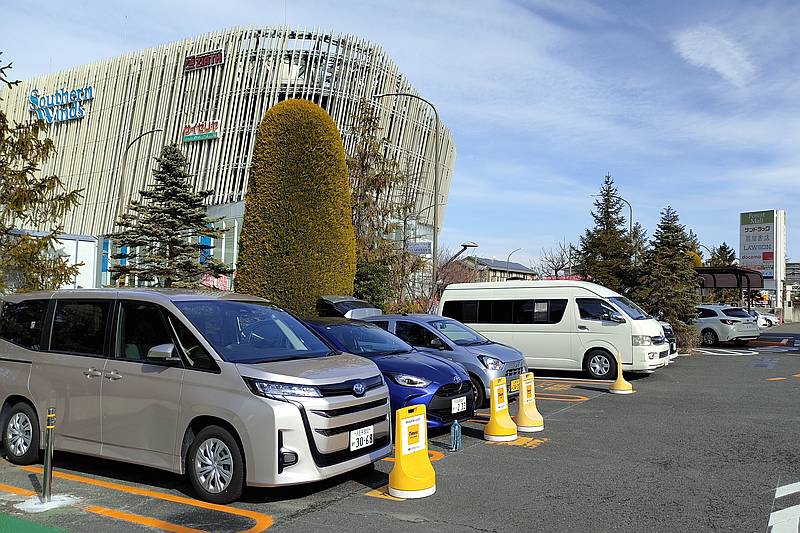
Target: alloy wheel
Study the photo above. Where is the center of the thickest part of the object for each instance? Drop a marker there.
(213, 465)
(19, 434)
(599, 365)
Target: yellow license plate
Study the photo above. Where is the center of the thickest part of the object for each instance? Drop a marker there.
(514, 385)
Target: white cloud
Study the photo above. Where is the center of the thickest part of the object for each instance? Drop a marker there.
(706, 46)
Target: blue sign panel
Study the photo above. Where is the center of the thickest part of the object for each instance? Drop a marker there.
(62, 105)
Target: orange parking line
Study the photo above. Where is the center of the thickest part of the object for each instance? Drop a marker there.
(775, 379)
(570, 380)
(141, 520)
(432, 454)
(262, 521)
(561, 397)
(17, 490)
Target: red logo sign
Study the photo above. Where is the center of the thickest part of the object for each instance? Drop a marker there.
(207, 59)
(768, 256)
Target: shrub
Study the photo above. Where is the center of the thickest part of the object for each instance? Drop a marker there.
(687, 335)
(297, 240)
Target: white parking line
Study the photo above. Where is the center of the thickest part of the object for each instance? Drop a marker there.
(724, 351)
(785, 520)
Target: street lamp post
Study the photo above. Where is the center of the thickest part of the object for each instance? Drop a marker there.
(508, 260)
(464, 246)
(121, 192)
(630, 212)
(436, 179)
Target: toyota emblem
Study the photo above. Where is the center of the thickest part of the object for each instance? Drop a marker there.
(359, 389)
(456, 379)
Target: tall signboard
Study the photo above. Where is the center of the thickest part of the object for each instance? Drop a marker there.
(762, 247)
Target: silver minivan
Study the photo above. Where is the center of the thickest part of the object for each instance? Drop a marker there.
(227, 388)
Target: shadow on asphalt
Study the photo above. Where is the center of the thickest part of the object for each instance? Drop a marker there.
(545, 374)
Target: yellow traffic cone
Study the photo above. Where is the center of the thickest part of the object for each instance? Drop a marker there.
(500, 427)
(528, 418)
(620, 385)
(412, 475)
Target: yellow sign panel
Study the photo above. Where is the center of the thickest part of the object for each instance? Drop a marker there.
(514, 385)
(412, 475)
(413, 434)
(529, 392)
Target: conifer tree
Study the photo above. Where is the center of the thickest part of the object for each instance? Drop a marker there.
(161, 232)
(669, 283)
(30, 201)
(721, 256)
(606, 250)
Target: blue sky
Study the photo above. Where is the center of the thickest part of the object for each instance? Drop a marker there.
(691, 104)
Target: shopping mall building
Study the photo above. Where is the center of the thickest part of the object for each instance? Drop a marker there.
(208, 94)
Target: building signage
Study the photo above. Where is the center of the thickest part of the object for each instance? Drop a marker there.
(420, 248)
(62, 105)
(757, 242)
(206, 59)
(204, 129)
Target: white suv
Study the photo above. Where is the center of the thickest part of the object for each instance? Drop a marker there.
(721, 323)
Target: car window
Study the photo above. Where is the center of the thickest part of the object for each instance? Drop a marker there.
(79, 326)
(459, 333)
(194, 353)
(21, 323)
(706, 313)
(594, 309)
(414, 334)
(364, 339)
(539, 311)
(736, 312)
(140, 327)
(383, 324)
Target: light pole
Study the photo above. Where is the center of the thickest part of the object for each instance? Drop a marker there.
(508, 260)
(121, 192)
(436, 180)
(630, 212)
(464, 246)
(710, 253)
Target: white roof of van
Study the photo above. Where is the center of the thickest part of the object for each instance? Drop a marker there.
(604, 292)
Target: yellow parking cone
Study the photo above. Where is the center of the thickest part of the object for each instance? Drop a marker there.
(528, 418)
(412, 475)
(500, 427)
(620, 385)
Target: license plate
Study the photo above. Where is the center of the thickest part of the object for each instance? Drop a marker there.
(458, 404)
(361, 438)
(514, 385)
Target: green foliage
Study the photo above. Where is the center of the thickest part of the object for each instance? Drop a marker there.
(669, 282)
(605, 251)
(297, 240)
(722, 255)
(373, 283)
(162, 231)
(30, 201)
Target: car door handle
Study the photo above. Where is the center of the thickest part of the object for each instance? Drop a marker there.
(584, 328)
(113, 375)
(92, 373)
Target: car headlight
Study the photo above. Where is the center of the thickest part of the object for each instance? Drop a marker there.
(408, 380)
(642, 340)
(271, 388)
(490, 362)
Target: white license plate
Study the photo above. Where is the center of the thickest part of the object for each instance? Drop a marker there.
(361, 438)
(458, 404)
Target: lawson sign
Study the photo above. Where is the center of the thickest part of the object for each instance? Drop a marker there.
(62, 105)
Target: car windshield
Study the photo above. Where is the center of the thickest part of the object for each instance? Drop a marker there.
(630, 308)
(252, 332)
(364, 339)
(736, 312)
(459, 333)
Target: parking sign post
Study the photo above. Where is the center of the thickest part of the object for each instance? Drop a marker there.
(500, 427)
(528, 418)
(47, 481)
(412, 475)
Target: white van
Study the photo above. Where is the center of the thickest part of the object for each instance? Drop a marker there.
(561, 325)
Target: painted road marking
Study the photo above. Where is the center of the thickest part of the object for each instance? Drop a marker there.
(262, 521)
(432, 454)
(785, 519)
(383, 493)
(524, 442)
(775, 379)
(724, 351)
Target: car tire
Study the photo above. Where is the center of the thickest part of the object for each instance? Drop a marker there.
(709, 337)
(479, 394)
(21, 434)
(600, 364)
(768, 323)
(215, 466)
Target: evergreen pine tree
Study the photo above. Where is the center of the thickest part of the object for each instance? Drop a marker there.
(30, 201)
(721, 256)
(669, 283)
(162, 231)
(605, 250)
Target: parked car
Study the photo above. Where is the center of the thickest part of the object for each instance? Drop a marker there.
(562, 324)
(482, 358)
(672, 339)
(764, 319)
(226, 388)
(724, 323)
(413, 377)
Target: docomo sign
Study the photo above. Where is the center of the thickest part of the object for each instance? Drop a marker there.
(757, 241)
(203, 129)
(206, 59)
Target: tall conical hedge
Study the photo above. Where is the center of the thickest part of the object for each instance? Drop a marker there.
(297, 240)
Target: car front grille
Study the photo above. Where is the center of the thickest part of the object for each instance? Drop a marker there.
(441, 405)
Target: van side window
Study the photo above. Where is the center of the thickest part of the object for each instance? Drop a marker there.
(195, 354)
(506, 311)
(21, 323)
(140, 326)
(539, 311)
(594, 308)
(414, 334)
(79, 326)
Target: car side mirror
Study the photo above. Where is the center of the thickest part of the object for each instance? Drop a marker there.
(436, 343)
(614, 317)
(162, 352)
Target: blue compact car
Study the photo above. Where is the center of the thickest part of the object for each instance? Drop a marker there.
(414, 378)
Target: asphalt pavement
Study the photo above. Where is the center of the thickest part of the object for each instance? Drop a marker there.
(701, 446)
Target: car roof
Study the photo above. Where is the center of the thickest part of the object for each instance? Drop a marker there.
(172, 295)
(600, 290)
(333, 321)
(422, 317)
(719, 306)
